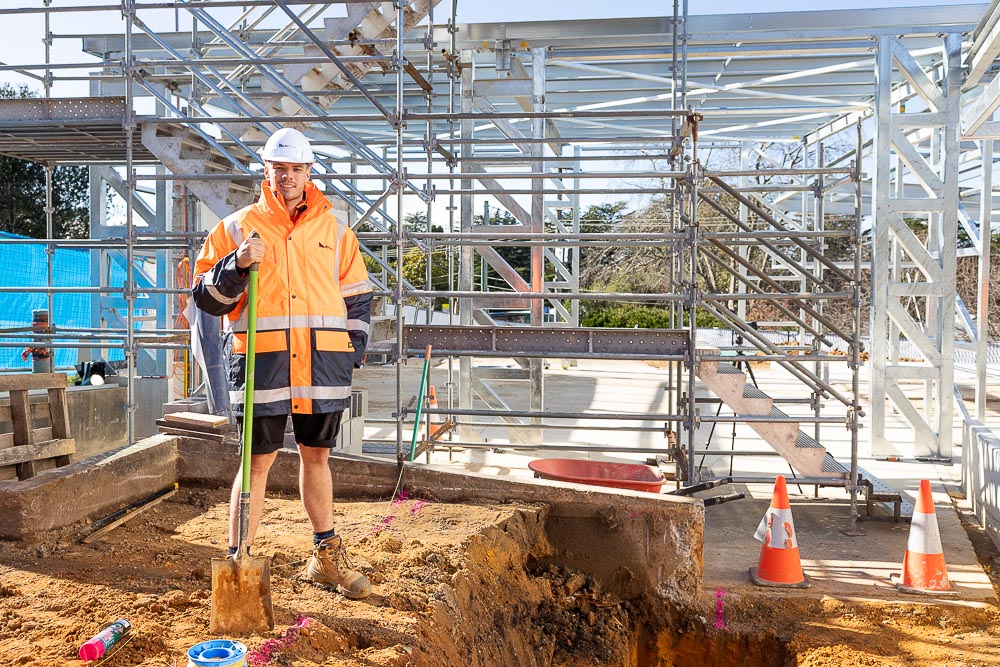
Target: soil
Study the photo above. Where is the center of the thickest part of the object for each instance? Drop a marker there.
(454, 585)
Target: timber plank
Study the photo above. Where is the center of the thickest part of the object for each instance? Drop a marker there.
(216, 436)
(38, 411)
(25, 470)
(32, 381)
(196, 419)
(20, 412)
(59, 412)
(26, 454)
(25, 444)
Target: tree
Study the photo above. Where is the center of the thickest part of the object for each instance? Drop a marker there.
(518, 256)
(417, 222)
(602, 217)
(624, 268)
(22, 192)
(414, 258)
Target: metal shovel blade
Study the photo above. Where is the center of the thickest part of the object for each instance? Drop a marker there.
(241, 596)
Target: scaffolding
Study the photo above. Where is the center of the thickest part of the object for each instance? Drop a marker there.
(437, 120)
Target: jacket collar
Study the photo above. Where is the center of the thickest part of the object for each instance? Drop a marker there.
(316, 203)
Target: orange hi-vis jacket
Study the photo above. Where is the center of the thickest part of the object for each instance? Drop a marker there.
(313, 304)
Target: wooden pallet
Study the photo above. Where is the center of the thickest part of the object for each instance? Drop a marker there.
(25, 445)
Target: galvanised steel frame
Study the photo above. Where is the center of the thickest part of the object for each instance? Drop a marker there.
(497, 112)
(915, 149)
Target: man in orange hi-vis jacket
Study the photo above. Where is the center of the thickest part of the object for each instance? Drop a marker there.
(313, 315)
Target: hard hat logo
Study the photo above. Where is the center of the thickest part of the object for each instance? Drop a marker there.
(287, 145)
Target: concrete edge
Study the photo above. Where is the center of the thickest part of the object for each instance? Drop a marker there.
(87, 489)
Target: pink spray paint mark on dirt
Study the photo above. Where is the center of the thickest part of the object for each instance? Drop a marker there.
(382, 525)
(269, 650)
(388, 519)
(417, 506)
(720, 622)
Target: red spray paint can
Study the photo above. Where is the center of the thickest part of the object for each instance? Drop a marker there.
(97, 645)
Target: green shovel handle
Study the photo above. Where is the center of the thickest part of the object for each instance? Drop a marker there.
(248, 385)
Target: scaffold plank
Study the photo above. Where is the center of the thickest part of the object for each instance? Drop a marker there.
(67, 130)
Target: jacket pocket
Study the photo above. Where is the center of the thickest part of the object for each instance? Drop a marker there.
(267, 341)
(333, 341)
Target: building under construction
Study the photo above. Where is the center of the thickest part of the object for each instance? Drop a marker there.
(811, 190)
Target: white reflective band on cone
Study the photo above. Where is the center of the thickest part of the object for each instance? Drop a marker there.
(925, 538)
(779, 524)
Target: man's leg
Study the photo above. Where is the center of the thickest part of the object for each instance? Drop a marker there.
(260, 465)
(316, 486)
(328, 565)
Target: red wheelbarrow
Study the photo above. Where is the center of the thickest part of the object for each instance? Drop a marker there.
(634, 476)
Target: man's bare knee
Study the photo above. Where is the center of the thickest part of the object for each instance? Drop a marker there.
(314, 455)
(260, 464)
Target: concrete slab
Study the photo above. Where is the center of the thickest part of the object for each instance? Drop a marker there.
(838, 565)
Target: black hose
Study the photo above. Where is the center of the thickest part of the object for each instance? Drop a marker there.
(701, 486)
(718, 500)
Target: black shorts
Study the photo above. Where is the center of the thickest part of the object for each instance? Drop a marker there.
(310, 431)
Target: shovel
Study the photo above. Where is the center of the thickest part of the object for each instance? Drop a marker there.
(241, 584)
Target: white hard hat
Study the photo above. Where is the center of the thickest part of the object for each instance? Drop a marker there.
(287, 145)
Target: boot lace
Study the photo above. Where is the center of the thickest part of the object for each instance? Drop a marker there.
(341, 560)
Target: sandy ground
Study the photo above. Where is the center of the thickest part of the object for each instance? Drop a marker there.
(442, 576)
(454, 585)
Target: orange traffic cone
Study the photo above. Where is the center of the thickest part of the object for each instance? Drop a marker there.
(924, 570)
(432, 402)
(779, 563)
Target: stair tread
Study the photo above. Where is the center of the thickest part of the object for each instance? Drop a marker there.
(880, 491)
(751, 391)
(726, 368)
(805, 440)
(831, 464)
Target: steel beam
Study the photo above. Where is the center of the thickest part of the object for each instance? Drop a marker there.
(542, 342)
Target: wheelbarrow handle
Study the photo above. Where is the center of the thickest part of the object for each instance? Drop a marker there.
(701, 486)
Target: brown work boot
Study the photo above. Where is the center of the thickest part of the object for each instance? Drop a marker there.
(329, 567)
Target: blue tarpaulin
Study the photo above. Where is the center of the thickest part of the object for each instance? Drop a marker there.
(26, 265)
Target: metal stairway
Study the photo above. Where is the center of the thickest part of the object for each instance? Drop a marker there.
(807, 456)
(184, 151)
(369, 20)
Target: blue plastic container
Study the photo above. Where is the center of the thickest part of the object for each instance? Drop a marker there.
(218, 653)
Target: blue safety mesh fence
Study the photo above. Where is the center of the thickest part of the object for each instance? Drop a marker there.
(25, 265)
(114, 307)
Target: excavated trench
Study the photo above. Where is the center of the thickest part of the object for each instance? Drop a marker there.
(525, 608)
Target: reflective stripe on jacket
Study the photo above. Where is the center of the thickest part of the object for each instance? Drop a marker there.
(313, 304)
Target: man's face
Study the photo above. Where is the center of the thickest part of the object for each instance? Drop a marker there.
(288, 179)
